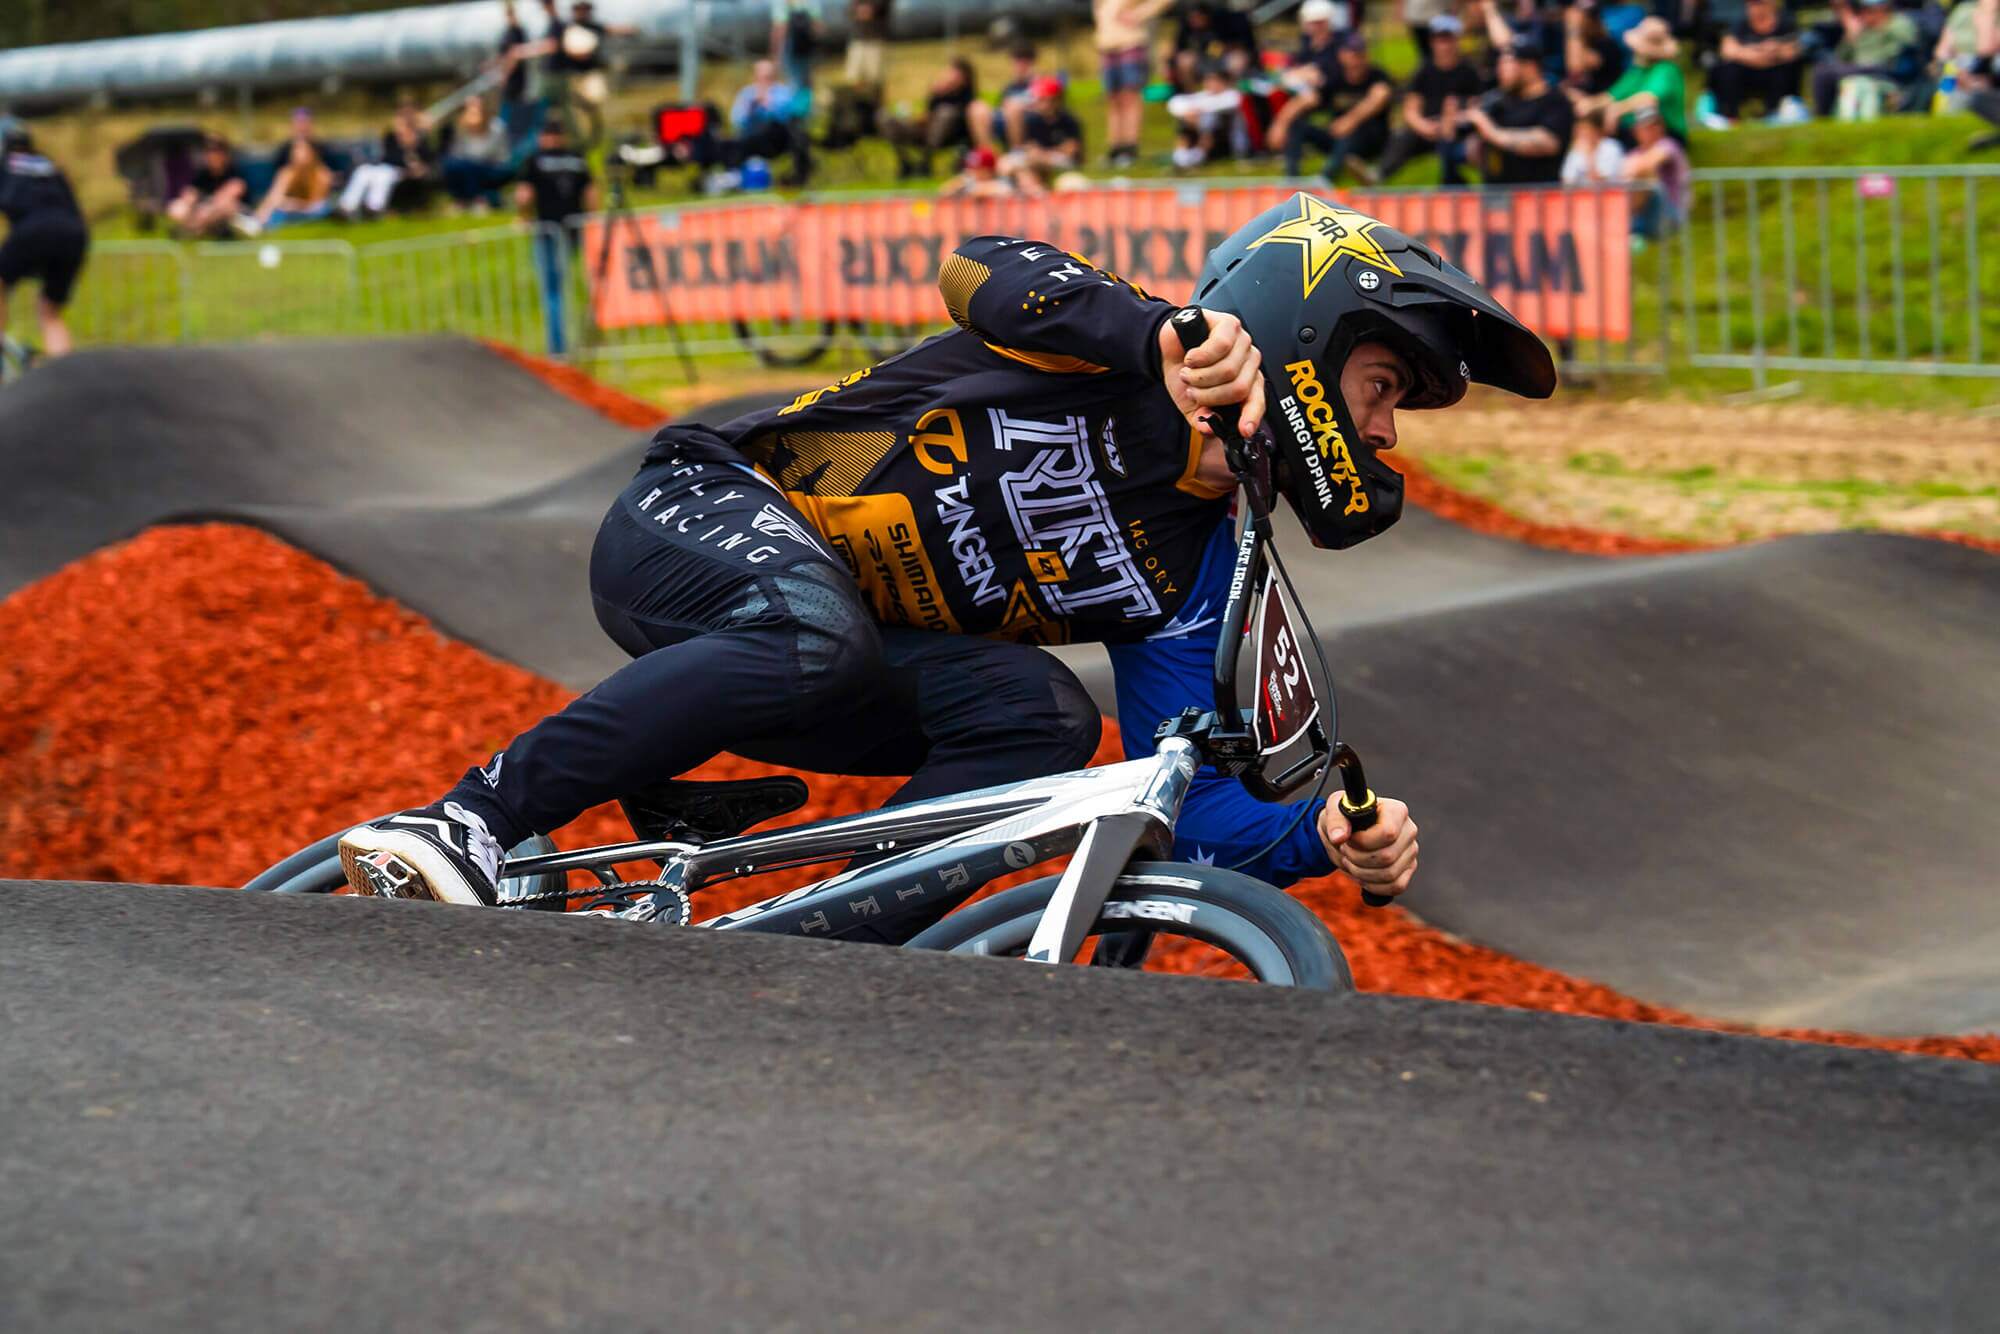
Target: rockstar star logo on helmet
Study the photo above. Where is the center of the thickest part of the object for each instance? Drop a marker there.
(1324, 233)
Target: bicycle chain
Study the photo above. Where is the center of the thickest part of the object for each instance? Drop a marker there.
(613, 891)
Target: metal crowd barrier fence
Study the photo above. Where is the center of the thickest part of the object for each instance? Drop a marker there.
(1772, 271)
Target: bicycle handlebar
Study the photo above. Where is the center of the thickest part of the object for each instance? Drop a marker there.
(1357, 799)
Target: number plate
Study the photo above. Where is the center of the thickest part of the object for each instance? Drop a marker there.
(1286, 704)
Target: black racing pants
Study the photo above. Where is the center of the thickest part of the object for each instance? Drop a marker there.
(749, 636)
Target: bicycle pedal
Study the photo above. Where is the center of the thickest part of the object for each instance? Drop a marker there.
(387, 876)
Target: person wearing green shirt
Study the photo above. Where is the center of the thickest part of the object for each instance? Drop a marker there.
(1651, 80)
(1879, 43)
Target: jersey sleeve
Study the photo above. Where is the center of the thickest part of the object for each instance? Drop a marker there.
(1221, 823)
(1038, 304)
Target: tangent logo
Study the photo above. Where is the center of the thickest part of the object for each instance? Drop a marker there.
(1018, 855)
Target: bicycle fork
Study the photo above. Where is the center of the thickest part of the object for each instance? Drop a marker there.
(1108, 844)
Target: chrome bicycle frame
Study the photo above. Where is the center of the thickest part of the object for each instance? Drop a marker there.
(931, 855)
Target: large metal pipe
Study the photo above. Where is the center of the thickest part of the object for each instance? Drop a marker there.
(435, 41)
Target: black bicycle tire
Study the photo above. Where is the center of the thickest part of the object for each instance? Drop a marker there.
(883, 343)
(770, 356)
(1301, 939)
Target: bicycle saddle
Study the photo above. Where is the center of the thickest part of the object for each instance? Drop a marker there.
(680, 811)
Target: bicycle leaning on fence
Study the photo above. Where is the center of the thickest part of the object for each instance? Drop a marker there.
(910, 866)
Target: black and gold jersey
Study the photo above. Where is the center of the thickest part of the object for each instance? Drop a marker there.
(1025, 476)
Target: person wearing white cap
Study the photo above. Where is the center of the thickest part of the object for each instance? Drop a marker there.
(1314, 63)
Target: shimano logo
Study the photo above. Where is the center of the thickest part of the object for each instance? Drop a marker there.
(1326, 433)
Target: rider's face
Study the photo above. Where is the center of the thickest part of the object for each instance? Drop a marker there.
(1372, 383)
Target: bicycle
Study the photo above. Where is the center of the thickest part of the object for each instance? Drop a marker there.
(909, 867)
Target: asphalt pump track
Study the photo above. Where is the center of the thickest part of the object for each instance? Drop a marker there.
(1750, 783)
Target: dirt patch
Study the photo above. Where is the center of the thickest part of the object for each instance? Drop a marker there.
(1710, 473)
(192, 705)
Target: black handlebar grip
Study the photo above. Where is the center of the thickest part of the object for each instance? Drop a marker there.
(1363, 815)
(1191, 327)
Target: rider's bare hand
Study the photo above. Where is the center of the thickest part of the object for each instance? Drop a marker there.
(1224, 369)
(1382, 857)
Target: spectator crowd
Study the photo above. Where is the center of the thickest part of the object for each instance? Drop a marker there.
(1504, 93)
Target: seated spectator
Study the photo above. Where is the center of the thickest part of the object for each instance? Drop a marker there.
(1357, 94)
(1208, 123)
(981, 178)
(1211, 35)
(1051, 141)
(301, 191)
(1879, 53)
(1660, 164)
(1653, 79)
(1511, 22)
(1434, 105)
(1594, 158)
(1592, 58)
(407, 155)
(214, 194)
(767, 120)
(1312, 63)
(1762, 63)
(304, 130)
(1523, 127)
(946, 123)
(478, 160)
(1969, 47)
(998, 126)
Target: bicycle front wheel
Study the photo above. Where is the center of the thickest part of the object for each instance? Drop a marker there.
(1269, 932)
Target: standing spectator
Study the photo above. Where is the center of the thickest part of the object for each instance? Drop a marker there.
(1315, 61)
(1660, 163)
(47, 238)
(1594, 158)
(1051, 141)
(1211, 34)
(1125, 53)
(214, 194)
(575, 68)
(946, 123)
(555, 188)
(769, 120)
(795, 27)
(407, 155)
(514, 91)
(1762, 63)
(868, 44)
(301, 191)
(981, 178)
(1653, 79)
(1523, 126)
(1879, 49)
(998, 127)
(479, 158)
(1434, 105)
(1357, 94)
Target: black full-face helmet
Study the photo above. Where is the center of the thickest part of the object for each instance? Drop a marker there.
(1310, 280)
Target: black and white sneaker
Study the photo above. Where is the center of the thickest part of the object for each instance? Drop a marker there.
(442, 852)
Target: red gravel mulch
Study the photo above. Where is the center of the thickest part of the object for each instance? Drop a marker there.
(192, 705)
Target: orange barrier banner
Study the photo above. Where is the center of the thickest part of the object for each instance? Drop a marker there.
(1559, 259)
